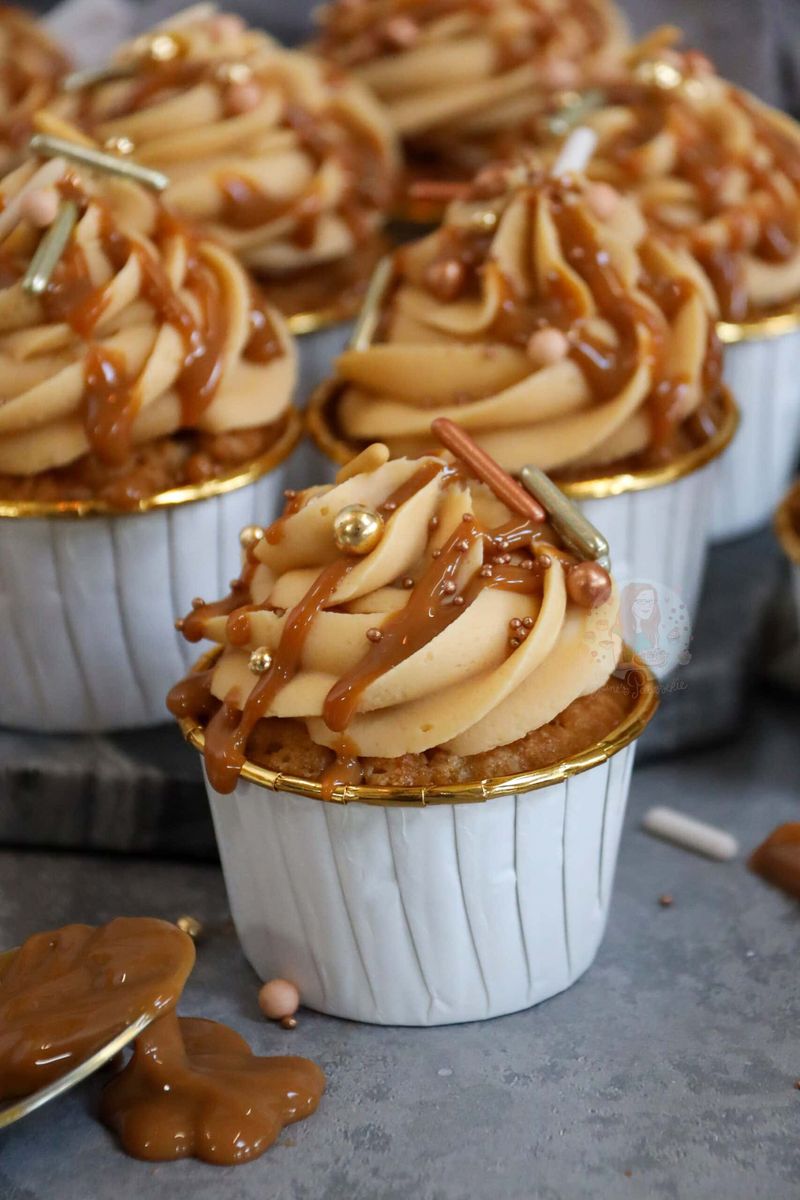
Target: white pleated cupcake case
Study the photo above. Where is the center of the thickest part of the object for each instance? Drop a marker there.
(763, 373)
(87, 605)
(425, 916)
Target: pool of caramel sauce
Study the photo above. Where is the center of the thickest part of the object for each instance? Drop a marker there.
(191, 1088)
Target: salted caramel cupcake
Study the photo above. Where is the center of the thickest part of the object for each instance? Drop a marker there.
(717, 172)
(32, 66)
(412, 638)
(284, 159)
(552, 323)
(461, 78)
(144, 374)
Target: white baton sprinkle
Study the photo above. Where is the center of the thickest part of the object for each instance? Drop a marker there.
(690, 834)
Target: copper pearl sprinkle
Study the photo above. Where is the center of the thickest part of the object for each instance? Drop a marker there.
(512, 494)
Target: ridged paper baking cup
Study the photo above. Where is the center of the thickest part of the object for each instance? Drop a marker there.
(429, 908)
(762, 369)
(656, 520)
(88, 597)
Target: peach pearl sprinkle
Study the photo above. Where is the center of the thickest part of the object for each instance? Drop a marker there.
(278, 999)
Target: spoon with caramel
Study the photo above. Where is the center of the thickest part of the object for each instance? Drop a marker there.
(70, 999)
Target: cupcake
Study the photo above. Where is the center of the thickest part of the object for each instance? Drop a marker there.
(145, 412)
(548, 320)
(284, 159)
(718, 173)
(400, 646)
(31, 69)
(460, 79)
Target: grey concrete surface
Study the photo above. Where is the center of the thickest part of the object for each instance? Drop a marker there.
(667, 1073)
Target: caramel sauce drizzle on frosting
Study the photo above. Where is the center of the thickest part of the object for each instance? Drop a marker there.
(326, 117)
(111, 396)
(764, 221)
(192, 1087)
(515, 555)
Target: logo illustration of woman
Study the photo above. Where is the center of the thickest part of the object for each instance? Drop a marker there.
(640, 615)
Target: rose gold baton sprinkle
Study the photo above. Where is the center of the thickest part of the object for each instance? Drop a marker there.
(438, 190)
(369, 317)
(486, 469)
(577, 533)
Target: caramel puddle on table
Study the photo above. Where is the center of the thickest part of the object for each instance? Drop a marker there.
(192, 1087)
(778, 858)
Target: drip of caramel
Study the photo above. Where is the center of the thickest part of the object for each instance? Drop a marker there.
(192, 1087)
(778, 858)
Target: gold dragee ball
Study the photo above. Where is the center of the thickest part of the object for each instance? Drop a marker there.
(164, 47)
(588, 584)
(250, 535)
(357, 529)
(260, 660)
(119, 145)
(190, 925)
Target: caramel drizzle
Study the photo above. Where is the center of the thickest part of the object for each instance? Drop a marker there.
(433, 604)
(704, 162)
(111, 397)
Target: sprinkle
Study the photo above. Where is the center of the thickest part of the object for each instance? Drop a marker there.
(666, 900)
(52, 147)
(288, 1023)
(260, 660)
(433, 523)
(684, 831)
(198, 602)
(119, 145)
(389, 506)
(515, 622)
(449, 587)
(278, 998)
(462, 545)
(513, 642)
(527, 622)
(374, 635)
(445, 278)
(459, 600)
(486, 572)
(50, 248)
(408, 582)
(179, 624)
(545, 560)
(289, 493)
(401, 32)
(466, 517)
(190, 926)
(436, 554)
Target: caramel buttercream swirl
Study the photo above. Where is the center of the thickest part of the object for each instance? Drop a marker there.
(713, 168)
(284, 159)
(458, 72)
(457, 629)
(144, 329)
(570, 337)
(31, 69)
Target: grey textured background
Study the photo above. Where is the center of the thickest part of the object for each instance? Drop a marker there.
(667, 1073)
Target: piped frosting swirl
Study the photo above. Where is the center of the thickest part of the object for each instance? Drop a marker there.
(456, 75)
(31, 68)
(145, 329)
(713, 168)
(283, 158)
(462, 628)
(547, 320)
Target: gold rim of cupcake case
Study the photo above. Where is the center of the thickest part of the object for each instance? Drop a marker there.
(231, 481)
(786, 526)
(458, 793)
(315, 321)
(774, 324)
(596, 488)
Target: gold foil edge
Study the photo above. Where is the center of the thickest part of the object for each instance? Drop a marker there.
(626, 732)
(770, 325)
(597, 488)
(189, 493)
